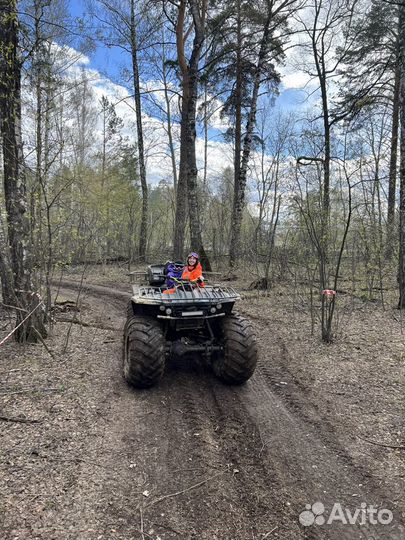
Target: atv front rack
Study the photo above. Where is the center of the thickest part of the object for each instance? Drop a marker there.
(184, 293)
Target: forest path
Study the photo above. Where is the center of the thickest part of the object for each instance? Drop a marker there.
(193, 458)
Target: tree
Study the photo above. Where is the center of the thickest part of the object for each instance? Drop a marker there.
(269, 170)
(6, 276)
(187, 181)
(249, 42)
(143, 234)
(240, 180)
(322, 24)
(161, 102)
(26, 299)
(371, 80)
(43, 66)
(401, 272)
(120, 22)
(111, 125)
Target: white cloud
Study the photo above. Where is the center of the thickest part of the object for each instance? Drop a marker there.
(295, 79)
(67, 58)
(158, 160)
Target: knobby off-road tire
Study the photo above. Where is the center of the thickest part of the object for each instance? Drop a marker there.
(144, 352)
(238, 361)
(130, 310)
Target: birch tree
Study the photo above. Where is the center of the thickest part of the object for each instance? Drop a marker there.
(25, 297)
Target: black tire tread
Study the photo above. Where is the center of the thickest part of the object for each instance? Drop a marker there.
(145, 344)
(239, 360)
(130, 310)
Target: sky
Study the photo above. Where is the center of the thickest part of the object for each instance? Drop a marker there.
(103, 65)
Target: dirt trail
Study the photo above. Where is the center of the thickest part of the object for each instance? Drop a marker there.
(193, 458)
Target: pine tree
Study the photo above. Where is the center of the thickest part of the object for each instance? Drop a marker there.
(187, 192)
(249, 43)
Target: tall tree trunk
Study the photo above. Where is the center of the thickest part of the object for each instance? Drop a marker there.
(104, 145)
(169, 114)
(35, 202)
(392, 180)
(272, 236)
(14, 179)
(205, 175)
(188, 165)
(143, 235)
(319, 59)
(401, 272)
(181, 192)
(239, 194)
(48, 255)
(233, 250)
(192, 172)
(6, 275)
(324, 232)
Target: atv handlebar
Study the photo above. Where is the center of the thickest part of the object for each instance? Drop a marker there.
(185, 281)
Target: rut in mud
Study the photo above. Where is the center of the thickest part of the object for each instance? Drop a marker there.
(193, 458)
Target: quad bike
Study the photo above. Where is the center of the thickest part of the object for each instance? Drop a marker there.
(191, 320)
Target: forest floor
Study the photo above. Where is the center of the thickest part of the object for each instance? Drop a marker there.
(85, 456)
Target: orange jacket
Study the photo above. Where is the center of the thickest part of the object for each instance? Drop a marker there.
(193, 274)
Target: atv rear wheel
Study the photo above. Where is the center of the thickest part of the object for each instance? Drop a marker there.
(144, 352)
(238, 361)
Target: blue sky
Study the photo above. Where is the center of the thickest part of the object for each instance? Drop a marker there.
(109, 61)
(105, 66)
(103, 59)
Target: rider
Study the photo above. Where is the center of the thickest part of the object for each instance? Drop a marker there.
(193, 269)
(173, 272)
(192, 272)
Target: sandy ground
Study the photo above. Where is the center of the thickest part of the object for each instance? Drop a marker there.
(85, 456)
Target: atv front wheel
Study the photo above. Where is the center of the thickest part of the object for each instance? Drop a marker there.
(130, 310)
(238, 361)
(144, 352)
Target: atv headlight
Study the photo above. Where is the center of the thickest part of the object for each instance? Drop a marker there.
(168, 311)
(219, 306)
(213, 310)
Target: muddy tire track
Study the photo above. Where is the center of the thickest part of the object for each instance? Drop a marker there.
(193, 458)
